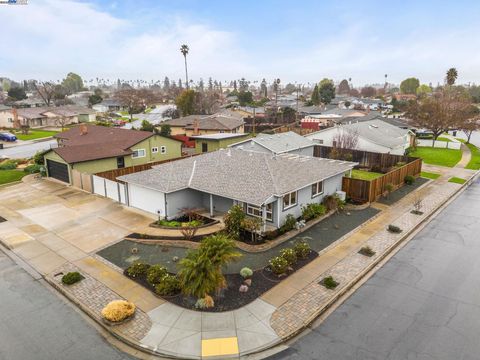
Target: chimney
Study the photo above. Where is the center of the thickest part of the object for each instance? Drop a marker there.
(83, 129)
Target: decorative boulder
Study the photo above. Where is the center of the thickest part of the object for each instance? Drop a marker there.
(243, 288)
(248, 282)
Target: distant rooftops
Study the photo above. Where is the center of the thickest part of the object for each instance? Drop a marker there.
(219, 121)
(218, 136)
(278, 143)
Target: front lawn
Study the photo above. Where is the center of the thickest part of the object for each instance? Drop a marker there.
(8, 176)
(35, 134)
(437, 156)
(474, 163)
(429, 175)
(457, 180)
(365, 175)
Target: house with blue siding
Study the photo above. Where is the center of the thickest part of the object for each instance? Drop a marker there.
(268, 186)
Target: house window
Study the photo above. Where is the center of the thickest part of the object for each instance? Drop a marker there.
(154, 150)
(204, 147)
(163, 149)
(289, 200)
(10, 120)
(256, 211)
(120, 162)
(139, 153)
(317, 189)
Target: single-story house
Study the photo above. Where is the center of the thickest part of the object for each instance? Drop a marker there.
(329, 118)
(91, 149)
(213, 142)
(265, 185)
(108, 105)
(287, 142)
(6, 116)
(48, 116)
(374, 135)
(193, 125)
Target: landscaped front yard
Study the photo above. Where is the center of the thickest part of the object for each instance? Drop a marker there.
(474, 163)
(436, 156)
(365, 175)
(8, 176)
(35, 134)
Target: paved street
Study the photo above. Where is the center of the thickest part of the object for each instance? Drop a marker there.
(423, 304)
(26, 151)
(36, 324)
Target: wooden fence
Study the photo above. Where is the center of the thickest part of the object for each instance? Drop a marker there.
(113, 174)
(368, 191)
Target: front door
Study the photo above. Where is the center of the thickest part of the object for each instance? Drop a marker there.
(120, 162)
(204, 147)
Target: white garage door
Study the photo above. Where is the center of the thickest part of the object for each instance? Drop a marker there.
(146, 199)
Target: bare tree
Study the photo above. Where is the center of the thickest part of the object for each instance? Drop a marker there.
(135, 100)
(470, 125)
(62, 121)
(46, 90)
(345, 139)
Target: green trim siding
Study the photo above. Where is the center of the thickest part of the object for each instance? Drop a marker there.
(214, 144)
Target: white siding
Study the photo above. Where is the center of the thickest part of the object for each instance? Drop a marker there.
(146, 199)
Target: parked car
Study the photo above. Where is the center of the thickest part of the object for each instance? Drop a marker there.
(5, 136)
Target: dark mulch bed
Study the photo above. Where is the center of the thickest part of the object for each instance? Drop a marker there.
(401, 192)
(139, 236)
(230, 298)
(2, 219)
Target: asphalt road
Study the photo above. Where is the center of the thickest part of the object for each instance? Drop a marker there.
(35, 323)
(422, 304)
(26, 151)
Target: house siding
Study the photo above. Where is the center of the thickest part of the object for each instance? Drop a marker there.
(183, 199)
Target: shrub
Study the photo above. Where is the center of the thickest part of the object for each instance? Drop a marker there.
(289, 255)
(193, 223)
(137, 269)
(71, 278)
(312, 211)
(169, 223)
(270, 235)
(169, 285)
(118, 310)
(329, 282)
(155, 274)
(233, 220)
(409, 179)
(289, 224)
(333, 203)
(302, 249)
(33, 169)
(394, 229)
(38, 157)
(388, 189)
(367, 251)
(400, 164)
(205, 303)
(278, 265)
(8, 165)
(246, 273)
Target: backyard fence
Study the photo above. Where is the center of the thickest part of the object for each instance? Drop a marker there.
(82, 181)
(439, 144)
(371, 190)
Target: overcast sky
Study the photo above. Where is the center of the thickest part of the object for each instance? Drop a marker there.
(302, 41)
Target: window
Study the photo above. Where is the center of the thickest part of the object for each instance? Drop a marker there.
(257, 211)
(154, 150)
(289, 200)
(10, 120)
(204, 147)
(120, 162)
(138, 153)
(163, 149)
(317, 189)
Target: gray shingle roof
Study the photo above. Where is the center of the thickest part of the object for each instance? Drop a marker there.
(240, 175)
(278, 143)
(219, 121)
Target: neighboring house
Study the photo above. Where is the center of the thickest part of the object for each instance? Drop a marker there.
(193, 125)
(108, 105)
(329, 118)
(6, 116)
(373, 135)
(91, 149)
(51, 116)
(213, 142)
(287, 142)
(266, 186)
(30, 102)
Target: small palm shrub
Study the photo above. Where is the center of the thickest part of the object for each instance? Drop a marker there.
(409, 179)
(394, 229)
(137, 269)
(312, 211)
(302, 249)
(329, 282)
(246, 273)
(155, 274)
(289, 255)
(168, 286)
(71, 278)
(278, 265)
(118, 310)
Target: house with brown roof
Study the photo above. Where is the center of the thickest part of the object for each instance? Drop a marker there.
(92, 149)
(193, 125)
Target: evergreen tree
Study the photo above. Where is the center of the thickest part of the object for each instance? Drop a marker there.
(315, 95)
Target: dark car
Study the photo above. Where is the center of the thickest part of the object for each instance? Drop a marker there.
(7, 137)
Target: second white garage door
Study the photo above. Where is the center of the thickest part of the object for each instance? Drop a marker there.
(146, 199)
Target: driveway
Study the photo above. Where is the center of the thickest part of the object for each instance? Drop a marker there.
(37, 324)
(26, 151)
(422, 304)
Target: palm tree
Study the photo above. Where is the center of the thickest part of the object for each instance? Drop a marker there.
(220, 249)
(198, 277)
(184, 50)
(452, 75)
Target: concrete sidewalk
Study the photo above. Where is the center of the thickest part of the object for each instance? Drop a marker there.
(56, 228)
